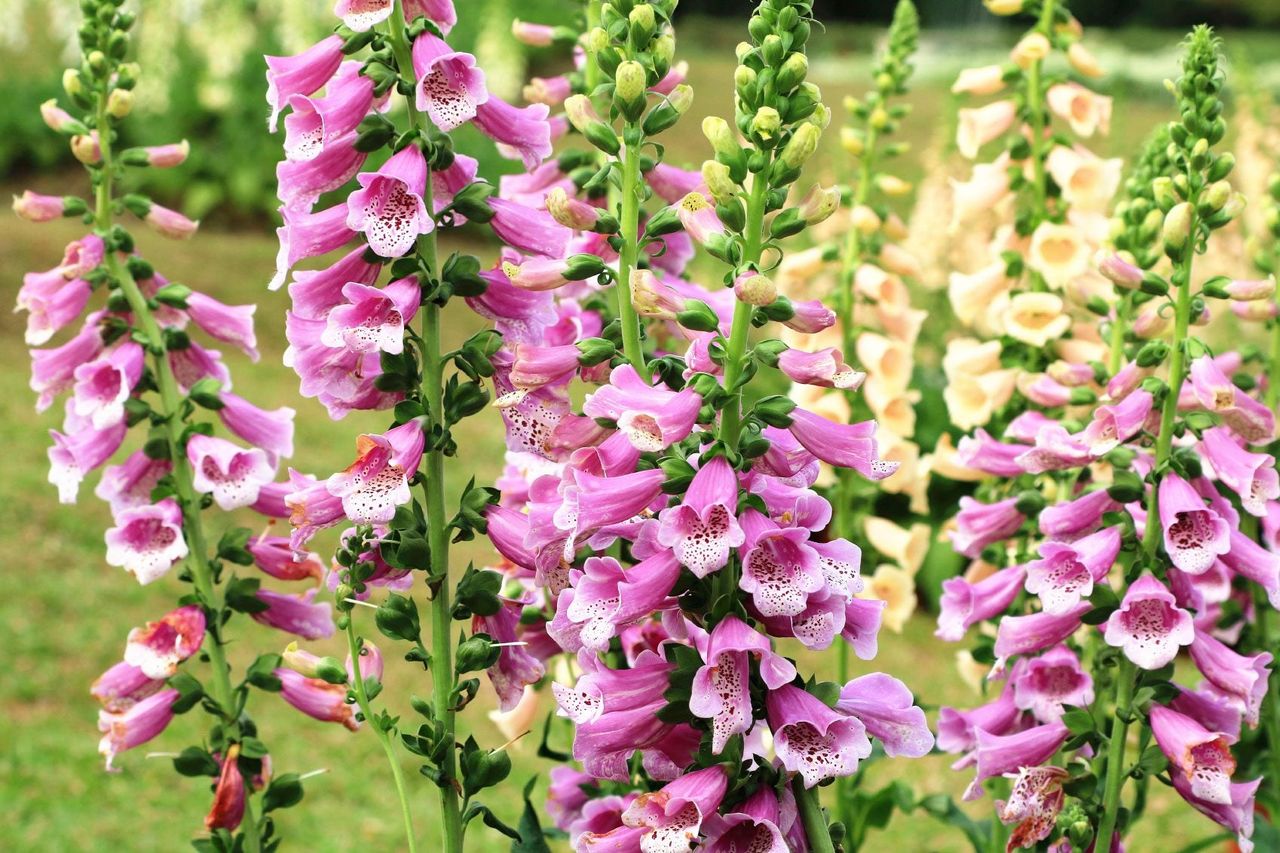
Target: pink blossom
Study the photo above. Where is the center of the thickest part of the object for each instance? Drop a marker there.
(147, 540)
(233, 475)
(388, 207)
(158, 647)
(1194, 535)
(1149, 627)
(450, 87)
(134, 726)
(812, 739)
(302, 74)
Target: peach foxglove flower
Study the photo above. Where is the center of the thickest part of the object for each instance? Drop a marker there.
(981, 125)
(1086, 111)
(1059, 253)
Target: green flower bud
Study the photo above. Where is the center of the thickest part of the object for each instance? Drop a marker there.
(1162, 191)
(773, 50)
(1217, 194)
(818, 205)
(801, 146)
(722, 139)
(630, 85)
(792, 72)
(698, 316)
(716, 176)
(1177, 229)
(596, 40)
(119, 103)
(663, 52)
(71, 82)
(643, 23)
(595, 350)
(765, 125)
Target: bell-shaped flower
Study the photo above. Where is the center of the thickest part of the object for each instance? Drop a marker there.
(302, 74)
(1021, 635)
(1235, 816)
(979, 126)
(721, 687)
(1055, 450)
(232, 474)
(758, 824)
(135, 725)
(958, 730)
(52, 302)
(449, 85)
(979, 525)
(1252, 476)
(372, 319)
(1194, 535)
(130, 483)
(779, 568)
(1114, 424)
(378, 481)
(965, 604)
(271, 431)
(669, 819)
(388, 208)
(810, 317)
(1086, 111)
(300, 183)
(1065, 574)
(307, 234)
(888, 710)
(1203, 758)
(813, 740)
(232, 324)
(982, 452)
(862, 620)
(276, 557)
(996, 755)
(53, 370)
(1250, 560)
(1149, 627)
(1241, 679)
(842, 445)
(522, 133)
(300, 615)
(158, 647)
(653, 417)
(1044, 684)
(824, 368)
(147, 540)
(317, 124)
(317, 698)
(703, 528)
(1070, 519)
(122, 686)
(516, 668)
(529, 230)
(79, 450)
(1248, 418)
(1035, 800)
(605, 598)
(102, 386)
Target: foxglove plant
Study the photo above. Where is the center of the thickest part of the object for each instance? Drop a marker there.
(135, 363)
(393, 90)
(667, 534)
(1144, 542)
(1050, 194)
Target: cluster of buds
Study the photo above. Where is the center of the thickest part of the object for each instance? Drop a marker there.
(135, 366)
(1050, 195)
(1127, 537)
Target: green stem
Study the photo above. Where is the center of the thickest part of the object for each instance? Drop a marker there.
(815, 823)
(628, 256)
(1125, 682)
(740, 331)
(442, 673)
(852, 257)
(171, 400)
(1038, 118)
(591, 71)
(1273, 387)
(1115, 349)
(366, 708)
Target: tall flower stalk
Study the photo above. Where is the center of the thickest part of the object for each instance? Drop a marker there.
(354, 346)
(1138, 507)
(135, 363)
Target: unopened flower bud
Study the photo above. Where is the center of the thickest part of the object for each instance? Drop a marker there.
(57, 118)
(533, 35)
(85, 148)
(818, 204)
(792, 72)
(35, 207)
(1119, 269)
(580, 112)
(1234, 207)
(664, 49)
(892, 185)
(643, 22)
(1177, 227)
(1217, 194)
(571, 212)
(167, 156)
(744, 77)
(120, 103)
(852, 142)
(1032, 48)
(71, 82)
(1162, 190)
(630, 84)
(681, 98)
(596, 40)
(865, 220)
(1084, 62)
(170, 223)
(801, 146)
(755, 289)
(765, 124)
(1251, 290)
(1003, 7)
(721, 137)
(716, 176)
(1150, 324)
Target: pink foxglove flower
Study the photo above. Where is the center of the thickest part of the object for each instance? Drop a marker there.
(958, 730)
(130, 483)
(378, 481)
(102, 386)
(528, 230)
(306, 234)
(79, 450)
(233, 475)
(813, 740)
(605, 598)
(757, 824)
(1081, 515)
(275, 556)
(522, 133)
(317, 699)
(316, 125)
(1149, 626)
(842, 445)
(232, 324)
(810, 317)
(516, 668)
(979, 525)
(653, 418)
(1203, 758)
(1020, 635)
(271, 431)
(388, 207)
(965, 604)
(1115, 424)
(1240, 679)
(1194, 535)
(135, 725)
(779, 568)
(703, 528)
(300, 614)
(227, 809)
(158, 647)
(887, 709)
(122, 686)
(670, 819)
(363, 15)
(824, 368)
(1252, 476)
(1035, 800)
(1044, 684)
(302, 74)
(300, 183)
(721, 686)
(52, 302)
(147, 540)
(996, 755)
(1065, 574)
(35, 207)
(1247, 417)
(449, 85)
(372, 319)
(1250, 560)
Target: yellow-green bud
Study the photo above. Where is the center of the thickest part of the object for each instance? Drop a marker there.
(1162, 190)
(1235, 205)
(716, 176)
(642, 20)
(792, 72)
(71, 82)
(596, 40)
(879, 118)
(721, 137)
(801, 146)
(1177, 227)
(681, 98)
(852, 142)
(772, 49)
(97, 61)
(765, 124)
(742, 50)
(1217, 194)
(818, 204)
(1003, 7)
(756, 290)
(664, 49)
(85, 149)
(119, 103)
(630, 82)
(744, 76)
(580, 112)
(892, 185)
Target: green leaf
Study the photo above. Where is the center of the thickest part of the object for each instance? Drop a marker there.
(194, 761)
(1078, 721)
(283, 792)
(482, 768)
(261, 673)
(531, 839)
(242, 595)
